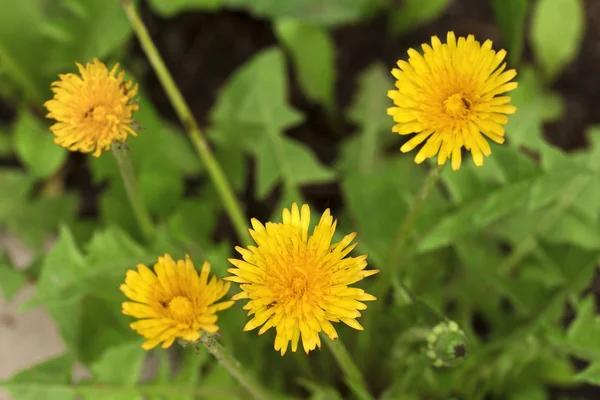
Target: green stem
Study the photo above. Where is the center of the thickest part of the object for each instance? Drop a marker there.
(138, 205)
(354, 377)
(404, 230)
(234, 367)
(190, 124)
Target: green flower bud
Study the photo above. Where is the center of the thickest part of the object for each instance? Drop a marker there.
(447, 344)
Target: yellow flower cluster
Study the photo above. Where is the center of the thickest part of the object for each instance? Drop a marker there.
(293, 280)
(296, 282)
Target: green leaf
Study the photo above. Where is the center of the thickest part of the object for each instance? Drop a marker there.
(36, 219)
(170, 8)
(368, 110)
(331, 12)
(584, 330)
(570, 229)
(49, 380)
(11, 281)
(413, 13)
(119, 365)
(82, 30)
(304, 167)
(18, 184)
(160, 189)
(556, 32)
(255, 100)
(535, 105)
(35, 147)
(23, 51)
(590, 375)
(510, 16)
(313, 54)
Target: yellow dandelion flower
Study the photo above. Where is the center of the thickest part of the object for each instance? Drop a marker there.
(299, 283)
(173, 301)
(92, 110)
(449, 96)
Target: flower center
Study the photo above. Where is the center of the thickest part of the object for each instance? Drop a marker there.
(181, 308)
(299, 286)
(457, 105)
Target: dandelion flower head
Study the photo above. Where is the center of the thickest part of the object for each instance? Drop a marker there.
(299, 283)
(92, 109)
(174, 301)
(451, 96)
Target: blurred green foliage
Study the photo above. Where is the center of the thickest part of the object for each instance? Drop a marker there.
(507, 245)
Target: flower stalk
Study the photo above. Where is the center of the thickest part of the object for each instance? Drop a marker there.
(234, 367)
(138, 205)
(215, 172)
(354, 377)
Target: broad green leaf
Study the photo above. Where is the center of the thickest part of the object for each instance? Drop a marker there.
(570, 229)
(313, 53)
(535, 106)
(160, 189)
(11, 281)
(533, 392)
(119, 365)
(49, 380)
(584, 330)
(22, 51)
(558, 186)
(35, 147)
(413, 13)
(303, 166)
(256, 97)
(18, 185)
(36, 219)
(63, 264)
(193, 221)
(67, 274)
(368, 110)
(590, 375)
(170, 8)
(331, 12)
(557, 29)
(510, 16)
(84, 29)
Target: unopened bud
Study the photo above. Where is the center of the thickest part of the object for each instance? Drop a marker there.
(447, 344)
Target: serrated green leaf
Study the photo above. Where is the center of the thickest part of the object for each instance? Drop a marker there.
(510, 16)
(256, 97)
(303, 166)
(570, 229)
(413, 13)
(313, 54)
(557, 29)
(160, 189)
(35, 147)
(43, 381)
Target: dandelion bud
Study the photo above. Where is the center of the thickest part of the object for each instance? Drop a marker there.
(447, 344)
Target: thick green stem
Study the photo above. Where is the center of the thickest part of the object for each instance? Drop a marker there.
(138, 205)
(215, 172)
(235, 368)
(354, 377)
